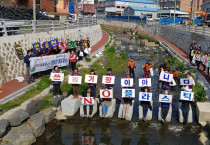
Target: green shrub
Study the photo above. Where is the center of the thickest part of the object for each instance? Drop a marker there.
(66, 87)
(199, 93)
(47, 102)
(88, 59)
(79, 65)
(44, 83)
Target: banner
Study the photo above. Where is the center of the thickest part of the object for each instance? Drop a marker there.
(186, 81)
(91, 79)
(87, 100)
(188, 96)
(145, 96)
(205, 61)
(126, 93)
(38, 64)
(165, 98)
(127, 82)
(108, 80)
(54, 43)
(57, 77)
(75, 80)
(166, 76)
(106, 93)
(36, 46)
(145, 82)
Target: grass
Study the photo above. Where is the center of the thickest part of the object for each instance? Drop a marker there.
(47, 102)
(88, 59)
(145, 36)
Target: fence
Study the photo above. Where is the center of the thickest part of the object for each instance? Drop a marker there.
(30, 26)
(127, 18)
(166, 21)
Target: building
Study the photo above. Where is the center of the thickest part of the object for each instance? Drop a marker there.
(136, 7)
(90, 8)
(206, 7)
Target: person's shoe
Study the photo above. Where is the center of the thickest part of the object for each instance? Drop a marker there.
(143, 119)
(75, 97)
(59, 96)
(54, 97)
(29, 82)
(163, 121)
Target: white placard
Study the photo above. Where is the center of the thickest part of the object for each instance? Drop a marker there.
(75, 80)
(165, 98)
(188, 96)
(186, 81)
(166, 76)
(126, 93)
(57, 77)
(108, 80)
(145, 82)
(205, 61)
(143, 96)
(92, 79)
(87, 100)
(173, 83)
(127, 82)
(106, 93)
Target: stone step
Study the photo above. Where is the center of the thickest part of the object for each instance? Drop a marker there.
(130, 111)
(168, 117)
(111, 110)
(95, 108)
(149, 113)
(190, 115)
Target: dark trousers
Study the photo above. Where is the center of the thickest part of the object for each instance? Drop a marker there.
(90, 109)
(93, 89)
(164, 112)
(208, 70)
(185, 113)
(204, 67)
(132, 72)
(73, 65)
(56, 89)
(145, 109)
(191, 57)
(198, 64)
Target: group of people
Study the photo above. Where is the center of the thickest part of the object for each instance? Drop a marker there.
(77, 50)
(195, 50)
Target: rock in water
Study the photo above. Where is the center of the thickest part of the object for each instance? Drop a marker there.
(3, 126)
(37, 124)
(21, 135)
(49, 114)
(18, 117)
(34, 107)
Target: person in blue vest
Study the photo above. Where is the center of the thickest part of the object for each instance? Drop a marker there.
(109, 73)
(27, 61)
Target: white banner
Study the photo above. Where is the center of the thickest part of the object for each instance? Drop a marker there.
(75, 80)
(186, 82)
(108, 80)
(106, 93)
(196, 57)
(205, 61)
(57, 77)
(166, 77)
(127, 82)
(92, 79)
(38, 64)
(188, 96)
(126, 93)
(87, 100)
(145, 96)
(165, 98)
(145, 82)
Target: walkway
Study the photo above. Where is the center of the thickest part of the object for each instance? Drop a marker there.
(14, 86)
(180, 52)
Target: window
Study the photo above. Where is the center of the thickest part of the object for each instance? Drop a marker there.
(118, 6)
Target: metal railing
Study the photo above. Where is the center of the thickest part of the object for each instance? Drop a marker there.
(30, 26)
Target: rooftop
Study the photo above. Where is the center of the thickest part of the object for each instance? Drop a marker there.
(143, 9)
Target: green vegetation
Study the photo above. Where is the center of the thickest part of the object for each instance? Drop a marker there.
(145, 36)
(88, 59)
(47, 101)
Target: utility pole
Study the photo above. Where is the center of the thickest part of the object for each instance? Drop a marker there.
(34, 10)
(191, 11)
(174, 11)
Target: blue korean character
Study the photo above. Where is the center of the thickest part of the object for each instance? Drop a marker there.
(144, 82)
(166, 76)
(127, 82)
(128, 93)
(187, 95)
(187, 82)
(145, 96)
(165, 98)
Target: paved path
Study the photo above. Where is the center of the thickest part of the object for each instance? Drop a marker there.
(13, 85)
(180, 52)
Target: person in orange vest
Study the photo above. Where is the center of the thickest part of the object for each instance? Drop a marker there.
(147, 66)
(132, 68)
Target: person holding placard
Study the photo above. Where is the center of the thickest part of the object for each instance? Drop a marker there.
(198, 59)
(192, 51)
(88, 93)
(27, 62)
(145, 104)
(204, 66)
(91, 85)
(189, 87)
(109, 73)
(185, 107)
(56, 84)
(75, 86)
(164, 108)
(73, 60)
(132, 68)
(165, 86)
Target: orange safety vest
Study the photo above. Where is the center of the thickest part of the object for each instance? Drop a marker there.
(147, 66)
(131, 64)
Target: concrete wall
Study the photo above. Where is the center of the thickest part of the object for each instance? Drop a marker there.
(11, 66)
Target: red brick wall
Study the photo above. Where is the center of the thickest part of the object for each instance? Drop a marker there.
(47, 5)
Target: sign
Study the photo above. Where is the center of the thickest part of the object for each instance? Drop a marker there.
(36, 46)
(166, 76)
(126, 93)
(75, 80)
(108, 80)
(19, 51)
(127, 82)
(188, 96)
(165, 98)
(87, 100)
(145, 82)
(88, 140)
(57, 77)
(205, 61)
(143, 96)
(54, 43)
(196, 57)
(186, 81)
(106, 93)
(46, 45)
(91, 79)
(38, 64)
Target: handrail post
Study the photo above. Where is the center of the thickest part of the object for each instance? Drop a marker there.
(4, 28)
(67, 25)
(204, 30)
(77, 23)
(33, 26)
(52, 26)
